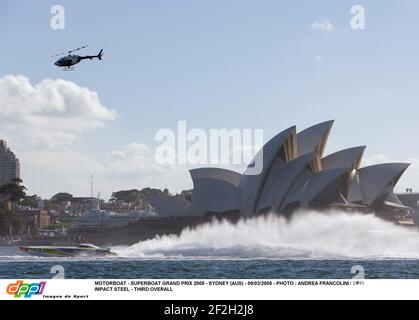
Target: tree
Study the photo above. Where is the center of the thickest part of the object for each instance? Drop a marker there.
(48, 205)
(126, 195)
(31, 201)
(152, 191)
(14, 191)
(16, 224)
(187, 194)
(61, 197)
(9, 221)
(4, 223)
(134, 195)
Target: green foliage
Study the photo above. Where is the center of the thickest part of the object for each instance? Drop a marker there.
(16, 224)
(48, 205)
(4, 223)
(127, 195)
(152, 191)
(187, 194)
(9, 221)
(134, 194)
(61, 197)
(31, 201)
(13, 191)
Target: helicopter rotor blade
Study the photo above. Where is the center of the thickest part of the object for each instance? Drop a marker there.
(68, 52)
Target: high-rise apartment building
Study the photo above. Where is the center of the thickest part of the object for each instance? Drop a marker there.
(9, 164)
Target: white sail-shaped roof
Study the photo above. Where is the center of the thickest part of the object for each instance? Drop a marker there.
(314, 139)
(285, 179)
(215, 190)
(348, 158)
(290, 172)
(279, 150)
(313, 187)
(374, 179)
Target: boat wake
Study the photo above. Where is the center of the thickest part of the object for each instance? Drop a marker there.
(308, 235)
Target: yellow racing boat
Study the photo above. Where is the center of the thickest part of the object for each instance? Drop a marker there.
(71, 251)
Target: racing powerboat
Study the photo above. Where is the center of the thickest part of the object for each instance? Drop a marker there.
(85, 249)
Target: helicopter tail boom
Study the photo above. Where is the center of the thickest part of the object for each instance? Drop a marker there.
(99, 56)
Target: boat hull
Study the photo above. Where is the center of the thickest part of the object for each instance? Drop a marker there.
(65, 251)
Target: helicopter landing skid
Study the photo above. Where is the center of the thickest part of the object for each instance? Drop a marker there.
(68, 69)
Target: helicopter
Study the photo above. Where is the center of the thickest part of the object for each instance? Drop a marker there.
(70, 60)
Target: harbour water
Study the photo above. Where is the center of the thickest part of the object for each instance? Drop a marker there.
(310, 246)
(19, 267)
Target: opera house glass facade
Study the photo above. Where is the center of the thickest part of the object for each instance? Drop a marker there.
(296, 174)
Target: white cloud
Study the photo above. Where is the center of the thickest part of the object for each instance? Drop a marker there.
(50, 113)
(135, 158)
(133, 166)
(41, 123)
(136, 164)
(323, 25)
(318, 59)
(376, 159)
(381, 158)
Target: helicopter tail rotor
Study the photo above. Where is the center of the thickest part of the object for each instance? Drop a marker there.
(100, 54)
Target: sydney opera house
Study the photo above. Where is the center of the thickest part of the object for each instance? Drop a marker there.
(295, 174)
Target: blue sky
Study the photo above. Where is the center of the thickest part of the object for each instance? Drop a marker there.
(223, 64)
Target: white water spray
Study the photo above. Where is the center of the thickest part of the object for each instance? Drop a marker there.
(308, 235)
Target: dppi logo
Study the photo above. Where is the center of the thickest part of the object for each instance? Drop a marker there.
(27, 290)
